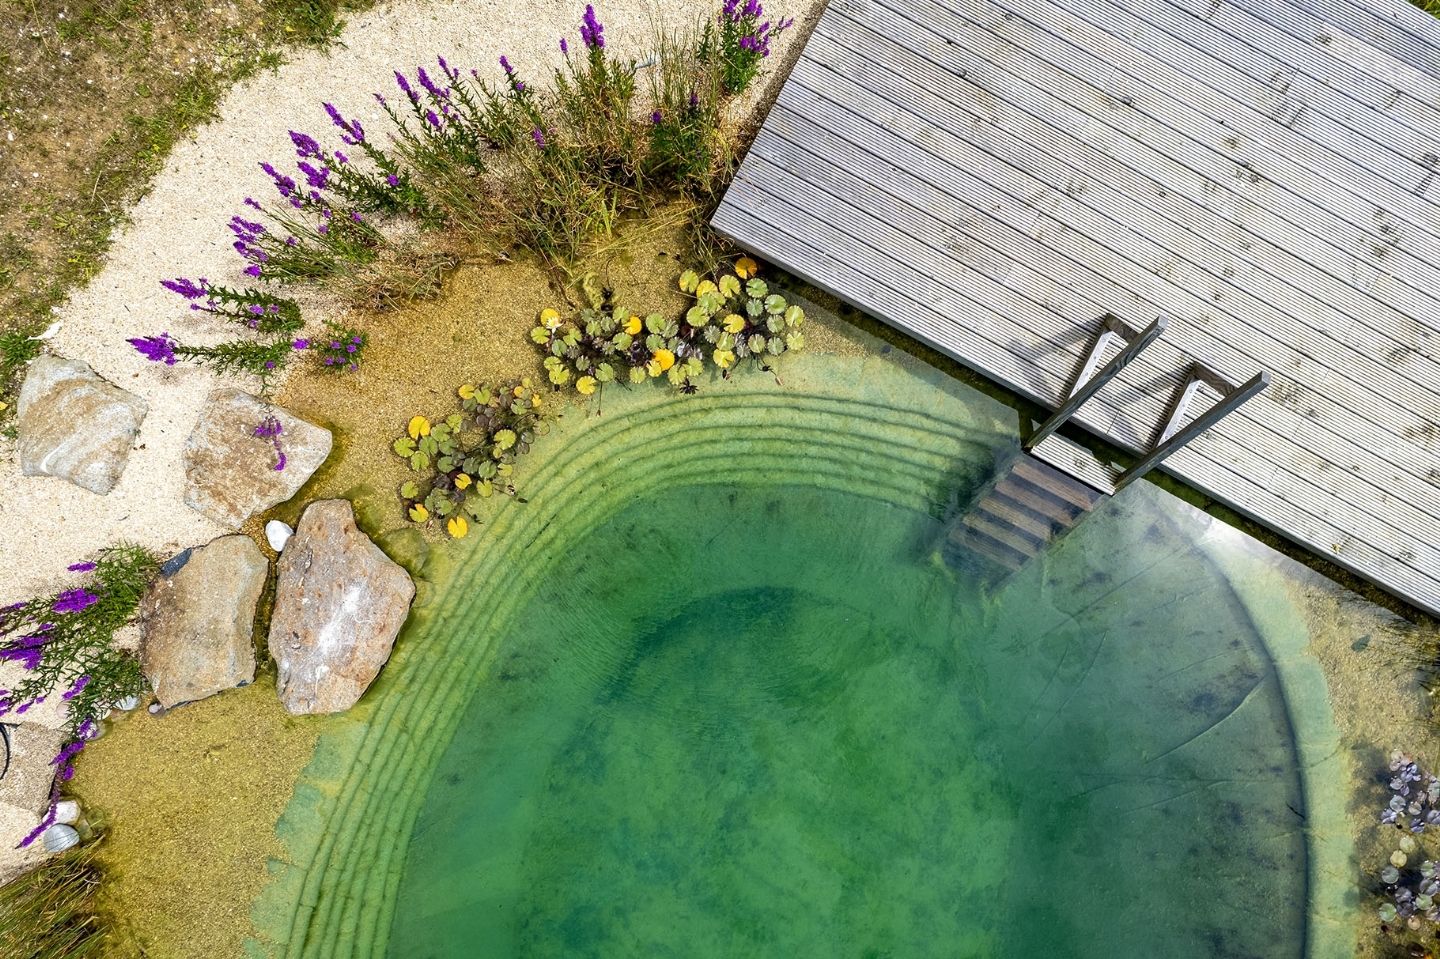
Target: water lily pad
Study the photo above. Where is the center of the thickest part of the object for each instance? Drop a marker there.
(745, 267)
(457, 527)
(419, 426)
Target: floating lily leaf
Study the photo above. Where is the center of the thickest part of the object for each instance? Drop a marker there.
(712, 301)
(487, 469)
(653, 367)
(725, 342)
(419, 513)
(774, 323)
(585, 385)
(774, 303)
(633, 326)
(559, 376)
(419, 426)
(405, 447)
(605, 373)
(444, 506)
(689, 280)
(775, 346)
(637, 374)
(419, 461)
(505, 439)
(729, 286)
(754, 307)
(462, 480)
(757, 289)
(622, 341)
(445, 464)
(703, 287)
(655, 323)
(794, 316)
(505, 469)
(757, 343)
(539, 335)
(723, 359)
(654, 342)
(795, 340)
(439, 432)
(486, 488)
(409, 490)
(734, 323)
(428, 445)
(457, 527)
(745, 267)
(697, 316)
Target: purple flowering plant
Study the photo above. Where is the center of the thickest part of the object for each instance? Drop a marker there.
(63, 643)
(339, 348)
(739, 41)
(314, 233)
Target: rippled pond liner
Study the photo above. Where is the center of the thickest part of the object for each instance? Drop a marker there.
(713, 691)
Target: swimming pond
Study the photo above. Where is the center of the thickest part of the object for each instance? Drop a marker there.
(714, 690)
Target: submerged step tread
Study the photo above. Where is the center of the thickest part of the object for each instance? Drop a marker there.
(1003, 533)
(1001, 509)
(1055, 482)
(980, 543)
(1032, 498)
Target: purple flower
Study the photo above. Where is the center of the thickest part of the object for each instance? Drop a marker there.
(350, 130)
(250, 201)
(74, 690)
(430, 86)
(157, 349)
(539, 137)
(283, 183)
(355, 339)
(45, 823)
(186, 288)
(291, 241)
(269, 364)
(356, 218)
(564, 47)
(694, 99)
(519, 86)
(74, 600)
(505, 65)
(655, 117)
(430, 115)
(301, 344)
(305, 145)
(280, 465)
(28, 657)
(341, 158)
(319, 179)
(591, 30)
(405, 86)
(350, 348)
(445, 69)
(82, 567)
(393, 180)
(251, 271)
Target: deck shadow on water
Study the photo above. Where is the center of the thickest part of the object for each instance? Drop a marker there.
(768, 721)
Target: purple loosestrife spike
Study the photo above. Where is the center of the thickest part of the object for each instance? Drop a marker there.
(430, 86)
(393, 180)
(319, 179)
(45, 823)
(350, 130)
(564, 47)
(539, 137)
(519, 86)
(405, 86)
(250, 271)
(301, 344)
(305, 145)
(283, 183)
(356, 217)
(186, 288)
(505, 65)
(250, 201)
(430, 115)
(280, 465)
(28, 658)
(655, 117)
(74, 690)
(74, 600)
(157, 349)
(81, 567)
(592, 31)
(341, 158)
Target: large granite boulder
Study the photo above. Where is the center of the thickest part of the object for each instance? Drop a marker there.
(230, 471)
(74, 425)
(196, 622)
(30, 773)
(339, 603)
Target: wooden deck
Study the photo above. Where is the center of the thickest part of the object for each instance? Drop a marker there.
(993, 176)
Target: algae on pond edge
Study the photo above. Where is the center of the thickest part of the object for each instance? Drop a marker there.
(187, 800)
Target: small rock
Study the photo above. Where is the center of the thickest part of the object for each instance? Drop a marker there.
(277, 534)
(67, 812)
(155, 709)
(230, 472)
(128, 703)
(339, 603)
(74, 425)
(59, 838)
(31, 773)
(195, 626)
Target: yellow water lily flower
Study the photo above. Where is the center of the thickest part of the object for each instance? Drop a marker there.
(734, 323)
(746, 268)
(724, 359)
(705, 287)
(633, 326)
(457, 527)
(586, 385)
(419, 426)
(462, 480)
(665, 358)
(550, 319)
(419, 513)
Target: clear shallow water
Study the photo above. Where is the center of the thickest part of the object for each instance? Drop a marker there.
(768, 721)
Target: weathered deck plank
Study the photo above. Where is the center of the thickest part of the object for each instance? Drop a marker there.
(971, 171)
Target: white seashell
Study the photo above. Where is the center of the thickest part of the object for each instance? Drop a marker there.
(67, 811)
(59, 838)
(278, 534)
(128, 703)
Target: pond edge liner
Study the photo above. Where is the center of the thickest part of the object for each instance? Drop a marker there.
(1258, 576)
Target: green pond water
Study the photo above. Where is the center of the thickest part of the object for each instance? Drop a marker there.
(719, 688)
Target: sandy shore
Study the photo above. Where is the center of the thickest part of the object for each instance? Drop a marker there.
(179, 229)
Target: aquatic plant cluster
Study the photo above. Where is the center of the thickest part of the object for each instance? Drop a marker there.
(1412, 894)
(470, 455)
(735, 316)
(63, 642)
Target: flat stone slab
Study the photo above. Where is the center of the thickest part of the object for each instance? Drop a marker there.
(196, 622)
(339, 603)
(230, 472)
(74, 425)
(30, 775)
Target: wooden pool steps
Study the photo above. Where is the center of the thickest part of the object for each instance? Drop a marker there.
(1031, 505)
